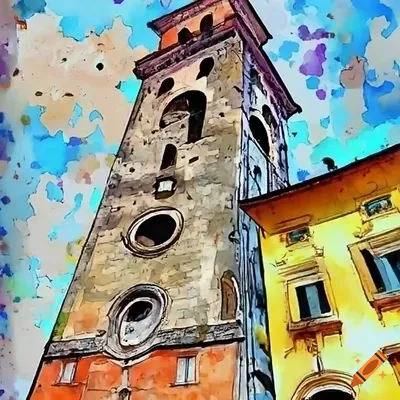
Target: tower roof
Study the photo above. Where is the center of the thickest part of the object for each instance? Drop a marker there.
(229, 17)
(242, 8)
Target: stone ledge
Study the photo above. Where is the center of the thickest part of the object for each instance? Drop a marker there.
(182, 337)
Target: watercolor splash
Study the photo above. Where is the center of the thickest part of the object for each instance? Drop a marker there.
(58, 133)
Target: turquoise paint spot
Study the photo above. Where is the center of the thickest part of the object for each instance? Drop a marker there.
(28, 8)
(287, 49)
(44, 144)
(380, 103)
(312, 82)
(371, 75)
(54, 192)
(298, 133)
(337, 93)
(76, 115)
(17, 299)
(324, 122)
(95, 115)
(130, 89)
(95, 199)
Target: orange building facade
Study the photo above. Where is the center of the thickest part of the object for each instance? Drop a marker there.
(167, 298)
(96, 377)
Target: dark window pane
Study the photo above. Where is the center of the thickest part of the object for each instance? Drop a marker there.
(323, 300)
(373, 270)
(303, 302)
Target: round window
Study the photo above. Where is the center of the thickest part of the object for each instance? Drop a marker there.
(139, 319)
(154, 232)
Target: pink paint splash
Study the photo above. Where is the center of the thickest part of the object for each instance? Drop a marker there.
(313, 60)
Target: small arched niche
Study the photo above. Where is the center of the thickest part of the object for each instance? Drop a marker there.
(184, 35)
(206, 67)
(206, 24)
(260, 134)
(169, 157)
(192, 105)
(166, 86)
(229, 294)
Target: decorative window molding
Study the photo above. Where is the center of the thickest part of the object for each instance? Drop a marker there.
(393, 355)
(318, 382)
(135, 317)
(154, 232)
(67, 373)
(297, 236)
(377, 207)
(311, 306)
(377, 261)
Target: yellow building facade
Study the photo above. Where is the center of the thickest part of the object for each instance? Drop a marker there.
(331, 255)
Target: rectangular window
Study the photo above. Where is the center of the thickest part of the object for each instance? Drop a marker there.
(384, 270)
(297, 236)
(313, 301)
(67, 372)
(378, 206)
(186, 370)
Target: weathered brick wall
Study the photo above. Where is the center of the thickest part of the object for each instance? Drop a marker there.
(205, 195)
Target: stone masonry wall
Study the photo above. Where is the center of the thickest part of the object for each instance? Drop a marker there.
(205, 195)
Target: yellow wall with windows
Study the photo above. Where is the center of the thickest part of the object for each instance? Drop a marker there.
(362, 331)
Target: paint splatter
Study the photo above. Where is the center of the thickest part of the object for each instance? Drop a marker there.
(313, 60)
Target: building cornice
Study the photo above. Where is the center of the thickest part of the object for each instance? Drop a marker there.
(176, 338)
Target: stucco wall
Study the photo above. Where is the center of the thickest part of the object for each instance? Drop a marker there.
(363, 332)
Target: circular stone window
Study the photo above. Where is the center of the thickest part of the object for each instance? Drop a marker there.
(139, 319)
(154, 232)
(134, 319)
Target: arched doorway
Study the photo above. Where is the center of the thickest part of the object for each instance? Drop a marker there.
(325, 385)
(331, 394)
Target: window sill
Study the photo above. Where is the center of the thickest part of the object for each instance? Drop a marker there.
(176, 384)
(386, 301)
(325, 325)
(73, 384)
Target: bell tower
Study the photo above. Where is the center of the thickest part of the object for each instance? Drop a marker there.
(161, 305)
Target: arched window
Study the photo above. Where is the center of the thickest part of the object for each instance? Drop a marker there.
(169, 157)
(166, 86)
(135, 317)
(331, 394)
(206, 67)
(255, 78)
(260, 134)
(229, 296)
(192, 105)
(269, 118)
(206, 24)
(184, 36)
